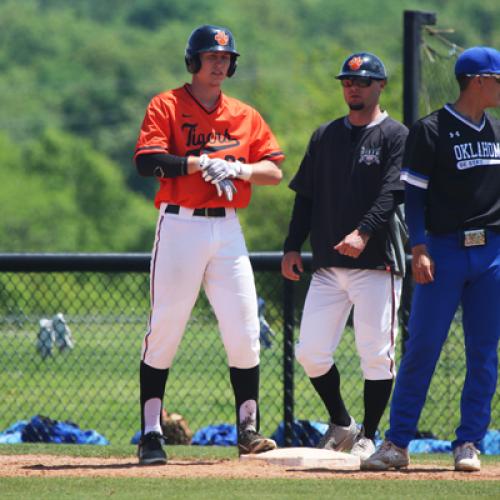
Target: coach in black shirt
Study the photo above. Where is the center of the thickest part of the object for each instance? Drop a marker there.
(347, 196)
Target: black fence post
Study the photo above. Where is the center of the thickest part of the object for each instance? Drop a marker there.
(412, 41)
(288, 359)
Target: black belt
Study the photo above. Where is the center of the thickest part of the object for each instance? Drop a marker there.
(201, 212)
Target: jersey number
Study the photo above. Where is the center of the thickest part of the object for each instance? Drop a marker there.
(232, 158)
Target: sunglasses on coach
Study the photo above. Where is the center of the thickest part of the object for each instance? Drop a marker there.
(357, 81)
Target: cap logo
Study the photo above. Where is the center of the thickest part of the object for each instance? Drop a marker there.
(221, 38)
(355, 63)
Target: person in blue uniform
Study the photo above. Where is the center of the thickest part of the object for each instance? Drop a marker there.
(451, 169)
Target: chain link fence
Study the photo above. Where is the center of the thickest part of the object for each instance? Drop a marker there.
(438, 55)
(94, 383)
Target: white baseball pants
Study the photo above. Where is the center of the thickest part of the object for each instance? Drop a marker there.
(332, 293)
(190, 251)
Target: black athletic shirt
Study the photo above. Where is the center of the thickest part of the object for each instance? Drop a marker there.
(348, 179)
(458, 162)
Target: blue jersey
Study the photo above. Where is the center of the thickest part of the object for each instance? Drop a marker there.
(458, 162)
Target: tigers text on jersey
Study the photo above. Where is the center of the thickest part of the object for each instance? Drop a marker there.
(343, 179)
(458, 162)
(177, 123)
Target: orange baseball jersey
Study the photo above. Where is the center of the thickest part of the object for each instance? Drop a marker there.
(177, 123)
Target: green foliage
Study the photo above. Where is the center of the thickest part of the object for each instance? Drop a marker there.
(60, 194)
(89, 67)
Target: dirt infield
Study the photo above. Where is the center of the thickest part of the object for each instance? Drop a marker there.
(60, 466)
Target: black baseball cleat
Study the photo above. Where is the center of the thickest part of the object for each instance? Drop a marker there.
(250, 441)
(150, 451)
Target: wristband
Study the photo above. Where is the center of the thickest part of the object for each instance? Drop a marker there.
(161, 165)
(245, 171)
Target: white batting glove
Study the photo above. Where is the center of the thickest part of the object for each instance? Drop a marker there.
(227, 188)
(218, 169)
(204, 161)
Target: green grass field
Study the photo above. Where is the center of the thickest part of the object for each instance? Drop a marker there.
(227, 489)
(123, 487)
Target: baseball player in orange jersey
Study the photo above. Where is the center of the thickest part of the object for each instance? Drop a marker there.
(206, 149)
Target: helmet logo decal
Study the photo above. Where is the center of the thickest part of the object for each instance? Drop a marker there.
(355, 63)
(221, 38)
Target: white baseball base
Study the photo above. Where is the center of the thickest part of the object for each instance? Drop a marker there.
(311, 458)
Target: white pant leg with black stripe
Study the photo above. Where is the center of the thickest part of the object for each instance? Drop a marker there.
(191, 251)
(333, 291)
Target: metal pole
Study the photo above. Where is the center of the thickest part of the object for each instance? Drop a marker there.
(288, 358)
(412, 39)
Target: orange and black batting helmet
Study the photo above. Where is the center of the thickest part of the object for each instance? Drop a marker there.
(210, 38)
(363, 64)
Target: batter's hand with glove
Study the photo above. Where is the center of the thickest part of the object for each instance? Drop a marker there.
(220, 172)
(227, 188)
(215, 170)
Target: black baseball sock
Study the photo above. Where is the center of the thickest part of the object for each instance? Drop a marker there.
(376, 397)
(245, 382)
(328, 388)
(152, 384)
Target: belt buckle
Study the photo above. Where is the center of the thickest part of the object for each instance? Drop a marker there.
(474, 238)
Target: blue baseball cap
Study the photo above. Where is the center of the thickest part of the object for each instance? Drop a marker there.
(478, 61)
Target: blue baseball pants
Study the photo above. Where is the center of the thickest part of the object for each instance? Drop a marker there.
(466, 276)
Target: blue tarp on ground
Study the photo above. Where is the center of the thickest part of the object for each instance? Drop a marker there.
(429, 446)
(216, 435)
(41, 429)
(12, 434)
(306, 433)
(490, 445)
(135, 438)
